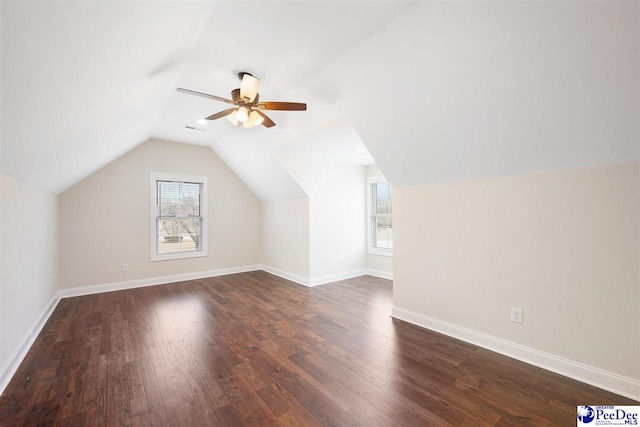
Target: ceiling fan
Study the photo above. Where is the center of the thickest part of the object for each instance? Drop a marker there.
(247, 110)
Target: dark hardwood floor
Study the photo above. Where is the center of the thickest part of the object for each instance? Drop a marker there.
(254, 349)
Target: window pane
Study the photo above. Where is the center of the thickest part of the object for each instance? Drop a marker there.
(382, 197)
(169, 198)
(191, 234)
(383, 233)
(179, 198)
(189, 199)
(169, 236)
(179, 235)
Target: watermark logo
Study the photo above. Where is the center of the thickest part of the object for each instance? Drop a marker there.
(593, 415)
(586, 414)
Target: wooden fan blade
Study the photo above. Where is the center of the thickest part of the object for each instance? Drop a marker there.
(267, 122)
(224, 113)
(288, 106)
(205, 95)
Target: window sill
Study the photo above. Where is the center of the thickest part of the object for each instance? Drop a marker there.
(381, 252)
(169, 257)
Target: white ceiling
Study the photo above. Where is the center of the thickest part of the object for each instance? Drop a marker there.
(501, 88)
(337, 142)
(435, 91)
(284, 44)
(85, 82)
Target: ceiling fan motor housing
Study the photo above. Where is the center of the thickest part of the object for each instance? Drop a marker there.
(235, 96)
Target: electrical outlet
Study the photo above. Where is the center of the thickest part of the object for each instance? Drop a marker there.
(516, 315)
(125, 268)
(341, 260)
(229, 256)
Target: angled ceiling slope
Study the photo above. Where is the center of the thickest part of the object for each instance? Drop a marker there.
(285, 45)
(84, 82)
(437, 91)
(485, 89)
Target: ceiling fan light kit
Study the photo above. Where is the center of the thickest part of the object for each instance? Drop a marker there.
(247, 111)
(254, 119)
(242, 114)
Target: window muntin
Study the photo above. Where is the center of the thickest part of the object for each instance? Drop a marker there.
(179, 220)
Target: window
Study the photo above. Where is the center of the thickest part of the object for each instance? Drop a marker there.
(178, 216)
(380, 224)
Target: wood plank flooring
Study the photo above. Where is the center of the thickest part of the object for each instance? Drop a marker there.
(254, 349)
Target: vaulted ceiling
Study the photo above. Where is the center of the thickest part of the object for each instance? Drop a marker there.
(435, 91)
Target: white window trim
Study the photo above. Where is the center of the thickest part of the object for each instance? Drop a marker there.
(152, 223)
(370, 249)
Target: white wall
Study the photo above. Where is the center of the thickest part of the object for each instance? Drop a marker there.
(104, 219)
(29, 264)
(378, 264)
(285, 237)
(336, 214)
(561, 245)
(337, 218)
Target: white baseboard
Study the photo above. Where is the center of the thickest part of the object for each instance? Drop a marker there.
(379, 273)
(286, 275)
(336, 277)
(9, 370)
(610, 381)
(152, 281)
(313, 281)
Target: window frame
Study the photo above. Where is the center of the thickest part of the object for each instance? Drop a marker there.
(370, 214)
(153, 196)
